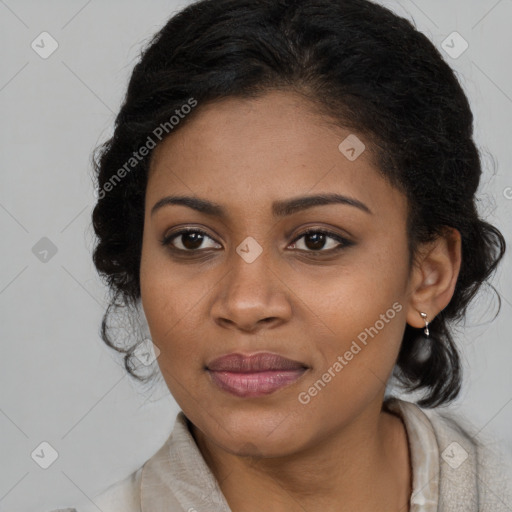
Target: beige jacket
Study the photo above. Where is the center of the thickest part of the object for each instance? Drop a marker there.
(452, 472)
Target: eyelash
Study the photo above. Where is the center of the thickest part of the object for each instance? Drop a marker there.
(166, 241)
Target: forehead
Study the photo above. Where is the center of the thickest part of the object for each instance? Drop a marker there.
(263, 149)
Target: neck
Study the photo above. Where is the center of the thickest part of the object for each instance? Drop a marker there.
(362, 466)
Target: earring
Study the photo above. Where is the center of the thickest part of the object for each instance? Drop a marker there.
(424, 345)
(424, 316)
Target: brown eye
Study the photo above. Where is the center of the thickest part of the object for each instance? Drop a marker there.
(320, 241)
(191, 240)
(315, 241)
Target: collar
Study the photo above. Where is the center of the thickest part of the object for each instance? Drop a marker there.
(177, 477)
(424, 454)
(449, 480)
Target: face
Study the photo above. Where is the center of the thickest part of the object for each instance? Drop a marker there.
(248, 277)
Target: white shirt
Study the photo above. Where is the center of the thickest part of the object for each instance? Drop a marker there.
(450, 472)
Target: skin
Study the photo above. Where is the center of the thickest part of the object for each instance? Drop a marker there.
(340, 451)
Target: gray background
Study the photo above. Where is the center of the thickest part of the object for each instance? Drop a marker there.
(59, 382)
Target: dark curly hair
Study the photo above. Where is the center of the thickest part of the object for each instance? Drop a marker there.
(366, 69)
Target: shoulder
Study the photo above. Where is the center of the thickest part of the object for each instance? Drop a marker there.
(460, 440)
(121, 496)
(494, 474)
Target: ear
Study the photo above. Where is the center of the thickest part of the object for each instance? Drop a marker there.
(433, 277)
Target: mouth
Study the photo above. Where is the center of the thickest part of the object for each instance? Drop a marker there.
(256, 375)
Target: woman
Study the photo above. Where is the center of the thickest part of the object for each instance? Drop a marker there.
(289, 195)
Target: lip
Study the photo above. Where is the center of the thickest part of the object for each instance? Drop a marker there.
(254, 375)
(259, 362)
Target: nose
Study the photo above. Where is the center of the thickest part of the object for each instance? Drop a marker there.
(251, 296)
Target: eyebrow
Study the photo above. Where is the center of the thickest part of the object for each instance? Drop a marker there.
(281, 208)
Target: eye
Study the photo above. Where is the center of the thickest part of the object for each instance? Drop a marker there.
(317, 240)
(191, 240)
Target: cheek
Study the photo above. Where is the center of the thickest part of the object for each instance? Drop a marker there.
(173, 323)
(166, 294)
(173, 315)
(363, 307)
(173, 302)
(354, 365)
(355, 295)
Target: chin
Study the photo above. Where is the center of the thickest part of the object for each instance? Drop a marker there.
(259, 434)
